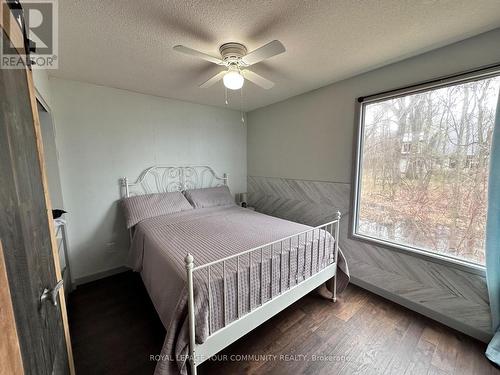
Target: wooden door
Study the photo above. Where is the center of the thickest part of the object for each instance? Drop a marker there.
(26, 227)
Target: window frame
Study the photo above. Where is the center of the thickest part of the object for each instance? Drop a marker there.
(362, 102)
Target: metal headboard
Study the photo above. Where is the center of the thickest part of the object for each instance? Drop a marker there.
(165, 178)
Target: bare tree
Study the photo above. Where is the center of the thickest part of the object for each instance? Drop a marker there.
(425, 168)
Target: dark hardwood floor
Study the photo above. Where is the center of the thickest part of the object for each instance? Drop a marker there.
(115, 329)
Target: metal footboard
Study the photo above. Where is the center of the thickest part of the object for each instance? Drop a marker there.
(318, 244)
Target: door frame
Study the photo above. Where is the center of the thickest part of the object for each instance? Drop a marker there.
(10, 351)
(15, 35)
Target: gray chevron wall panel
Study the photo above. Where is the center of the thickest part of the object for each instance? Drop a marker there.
(454, 297)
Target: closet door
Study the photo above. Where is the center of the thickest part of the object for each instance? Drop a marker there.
(26, 227)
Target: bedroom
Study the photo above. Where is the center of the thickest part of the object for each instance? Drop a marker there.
(359, 138)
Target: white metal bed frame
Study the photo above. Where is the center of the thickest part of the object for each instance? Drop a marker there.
(163, 178)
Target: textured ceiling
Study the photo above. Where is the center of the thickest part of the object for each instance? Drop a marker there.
(127, 44)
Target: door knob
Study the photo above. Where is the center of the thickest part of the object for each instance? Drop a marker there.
(50, 295)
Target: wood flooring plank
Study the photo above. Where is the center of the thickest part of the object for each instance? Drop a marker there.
(420, 362)
(436, 371)
(406, 348)
(378, 351)
(345, 310)
(347, 341)
(445, 356)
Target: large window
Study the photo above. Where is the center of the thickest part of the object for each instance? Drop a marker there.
(422, 172)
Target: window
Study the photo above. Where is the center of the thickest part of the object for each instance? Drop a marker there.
(471, 161)
(406, 148)
(422, 168)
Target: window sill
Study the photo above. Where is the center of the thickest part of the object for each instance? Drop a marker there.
(456, 263)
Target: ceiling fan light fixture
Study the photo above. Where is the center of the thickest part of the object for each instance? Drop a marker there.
(233, 80)
(236, 59)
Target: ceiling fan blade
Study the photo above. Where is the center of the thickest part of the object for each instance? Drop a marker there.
(266, 51)
(257, 79)
(201, 55)
(211, 81)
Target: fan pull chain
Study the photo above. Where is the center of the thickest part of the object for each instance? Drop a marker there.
(241, 106)
(225, 95)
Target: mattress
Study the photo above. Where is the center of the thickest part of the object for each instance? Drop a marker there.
(160, 245)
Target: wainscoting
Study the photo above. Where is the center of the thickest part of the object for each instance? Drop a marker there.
(452, 296)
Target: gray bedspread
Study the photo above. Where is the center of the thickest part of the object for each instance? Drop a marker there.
(160, 244)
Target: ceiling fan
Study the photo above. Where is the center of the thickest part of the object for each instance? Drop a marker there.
(235, 58)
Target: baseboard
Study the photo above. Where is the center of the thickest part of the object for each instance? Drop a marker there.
(98, 275)
(447, 321)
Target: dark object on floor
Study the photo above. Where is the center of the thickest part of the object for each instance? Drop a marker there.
(57, 213)
(115, 329)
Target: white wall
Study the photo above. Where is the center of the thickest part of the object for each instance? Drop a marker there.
(104, 134)
(316, 129)
(42, 85)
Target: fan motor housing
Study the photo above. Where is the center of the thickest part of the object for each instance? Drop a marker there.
(232, 51)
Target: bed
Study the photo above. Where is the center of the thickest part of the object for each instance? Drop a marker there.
(215, 273)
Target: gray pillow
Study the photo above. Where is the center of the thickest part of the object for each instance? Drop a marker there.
(140, 207)
(209, 197)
